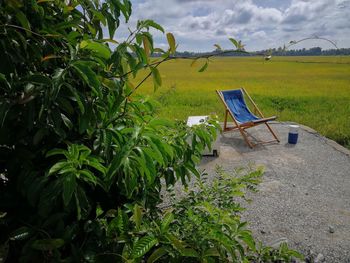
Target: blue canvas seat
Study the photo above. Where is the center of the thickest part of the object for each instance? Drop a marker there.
(242, 117)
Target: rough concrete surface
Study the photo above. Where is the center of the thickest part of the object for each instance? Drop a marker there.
(305, 194)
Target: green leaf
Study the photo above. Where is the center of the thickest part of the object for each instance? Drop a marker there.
(58, 166)
(157, 254)
(88, 76)
(69, 186)
(161, 122)
(84, 122)
(4, 81)
(153, 24)
(67, 121)
(112, 24)
(99, 16)
(204, 67)
(248, 239)
(143, 245)
(39, 135)
(176, 243)
(78, 99)
(171, 42)
(137, 216)
(4, 109)
(77, 205)
(38, 79)
(20, 233)
(98, 48)
(95, 164)
(235, 42)
(92, 29)
(192, 169)
(296, 254)
(68, 170)
(157, 80)
(55, 152)
(146, 45)
(189, 252)
(154, 153)
(125, 65)
(168, 218)
(47, 244)
(169, 150)
(125, 7)
(99, 211)
(58, 76)
(141, 54)
(222, 238)
(211, 252)
(218, 47)
(88, 176)
(24, 22)
(65, 105)
(155, 149)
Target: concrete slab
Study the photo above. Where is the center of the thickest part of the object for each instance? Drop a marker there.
(305, 194)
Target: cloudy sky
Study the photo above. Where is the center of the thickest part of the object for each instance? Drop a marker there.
(260, 24)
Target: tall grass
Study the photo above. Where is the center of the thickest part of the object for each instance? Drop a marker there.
(314, 91)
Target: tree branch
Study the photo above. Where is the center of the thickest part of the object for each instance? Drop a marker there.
(25, 29)
(30, 31)
(292, 43)
(206, 56)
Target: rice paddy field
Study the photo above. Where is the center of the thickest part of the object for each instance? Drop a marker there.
(314, 91)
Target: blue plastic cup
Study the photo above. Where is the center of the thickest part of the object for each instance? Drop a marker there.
(293, 134)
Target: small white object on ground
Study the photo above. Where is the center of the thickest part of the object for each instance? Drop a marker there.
(196, 120)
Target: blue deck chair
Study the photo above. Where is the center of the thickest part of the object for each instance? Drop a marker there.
(242, 117)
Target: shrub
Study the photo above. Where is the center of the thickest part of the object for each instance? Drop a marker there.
(74, 139)
(208, 221)
(82, 157)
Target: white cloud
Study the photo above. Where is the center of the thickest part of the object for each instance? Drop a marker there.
(198, 24)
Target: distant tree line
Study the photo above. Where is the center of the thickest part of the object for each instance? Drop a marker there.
(315, 51)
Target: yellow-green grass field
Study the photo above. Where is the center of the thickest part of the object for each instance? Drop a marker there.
(314, 91)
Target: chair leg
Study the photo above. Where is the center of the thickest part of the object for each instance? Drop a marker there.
(225, 122)
(273, 133)
(245, 137)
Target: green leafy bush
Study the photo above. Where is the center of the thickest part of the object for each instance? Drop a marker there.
(81, 156)
(208, 221)
(74, 139)
(204, 226)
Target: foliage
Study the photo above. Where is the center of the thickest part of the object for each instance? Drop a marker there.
(204, 226)
(82, 158)
(74, 140)
(208, 221)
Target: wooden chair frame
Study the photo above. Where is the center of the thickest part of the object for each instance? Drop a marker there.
(243, 126)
